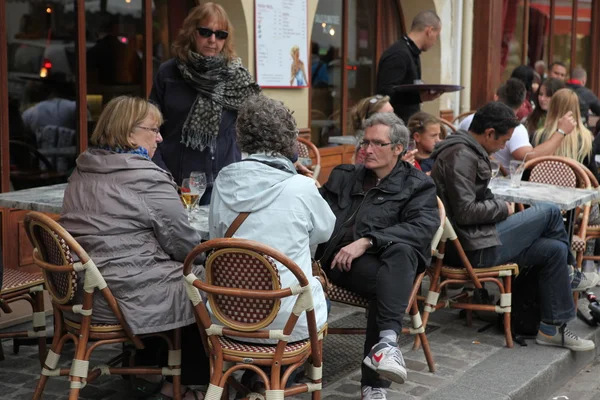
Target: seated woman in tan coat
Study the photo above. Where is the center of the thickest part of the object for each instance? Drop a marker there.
(125, 212)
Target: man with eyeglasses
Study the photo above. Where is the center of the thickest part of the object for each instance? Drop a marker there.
(386, 215)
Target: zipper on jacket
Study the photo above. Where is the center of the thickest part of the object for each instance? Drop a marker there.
(345, 222)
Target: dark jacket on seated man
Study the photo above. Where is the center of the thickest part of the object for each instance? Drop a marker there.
(401, 209)
(472, 209)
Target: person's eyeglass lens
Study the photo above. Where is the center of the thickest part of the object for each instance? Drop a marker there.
(205, 32)
(155, 130)
(377, 145)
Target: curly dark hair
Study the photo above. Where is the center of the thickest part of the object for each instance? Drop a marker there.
(495, 115)
(266, 125)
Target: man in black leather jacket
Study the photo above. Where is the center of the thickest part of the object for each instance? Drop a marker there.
(491, 235)
(386, 215)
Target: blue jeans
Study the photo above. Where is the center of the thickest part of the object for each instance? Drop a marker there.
(537, 238)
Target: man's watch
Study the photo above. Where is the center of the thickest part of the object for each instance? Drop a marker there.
(561, 132)
(371, 242)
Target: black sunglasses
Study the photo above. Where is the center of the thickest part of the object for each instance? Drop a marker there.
(205, 32)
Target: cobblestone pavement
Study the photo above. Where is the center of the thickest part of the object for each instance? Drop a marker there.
(456, 349)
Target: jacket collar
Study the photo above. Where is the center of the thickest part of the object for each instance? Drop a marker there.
(391, 183)
(412, 46)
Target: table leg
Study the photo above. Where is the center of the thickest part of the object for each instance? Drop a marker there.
(570, 225)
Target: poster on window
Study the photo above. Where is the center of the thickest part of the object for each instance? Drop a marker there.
(281, 43)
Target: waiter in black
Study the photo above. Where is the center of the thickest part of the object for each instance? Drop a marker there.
(400, 65)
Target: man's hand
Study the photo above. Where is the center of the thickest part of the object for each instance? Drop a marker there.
(409, 156)
(302, 170)
(343, 259)
(567, 123)
(430, 95)
(511, 208)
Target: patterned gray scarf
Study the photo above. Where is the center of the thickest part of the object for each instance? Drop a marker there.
(219, 85)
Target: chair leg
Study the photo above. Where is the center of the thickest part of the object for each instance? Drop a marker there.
(176, 378)
(427, 351)
(56, 348)
(38, 307)
(507, 326)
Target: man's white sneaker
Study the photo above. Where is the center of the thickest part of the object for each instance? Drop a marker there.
(371, 393)
(386, 359)
(583, 281)
(565, 338)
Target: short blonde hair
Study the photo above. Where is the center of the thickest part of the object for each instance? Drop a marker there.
(118, 119)
(197, 16)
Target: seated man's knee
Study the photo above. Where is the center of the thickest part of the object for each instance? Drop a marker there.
(549, 208)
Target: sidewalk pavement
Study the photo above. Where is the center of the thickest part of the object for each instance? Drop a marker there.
(470, 365)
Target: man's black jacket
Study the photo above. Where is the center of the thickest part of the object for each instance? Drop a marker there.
(401, 209)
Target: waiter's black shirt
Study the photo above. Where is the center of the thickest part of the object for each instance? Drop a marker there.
(400, 65)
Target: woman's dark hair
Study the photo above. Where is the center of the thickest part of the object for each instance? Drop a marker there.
(552, 85)
(524, 73)
(266, 125)
(495, 115)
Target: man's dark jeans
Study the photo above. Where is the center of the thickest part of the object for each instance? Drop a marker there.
(536, 237)
(386, 279)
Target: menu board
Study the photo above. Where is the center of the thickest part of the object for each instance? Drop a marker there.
(281, 43)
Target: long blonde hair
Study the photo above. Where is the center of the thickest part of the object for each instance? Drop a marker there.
(578, 144)
(203, 14)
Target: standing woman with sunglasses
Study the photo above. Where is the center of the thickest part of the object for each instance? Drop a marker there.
(199, 92)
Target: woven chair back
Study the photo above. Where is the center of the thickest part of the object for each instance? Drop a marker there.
(53, 249)
(554, 173)
(243, 269)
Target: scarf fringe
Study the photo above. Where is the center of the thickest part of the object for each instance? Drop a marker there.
(198, 140)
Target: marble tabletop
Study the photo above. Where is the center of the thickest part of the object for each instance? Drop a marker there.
(49, 199)
(342, 140)
(532, 193)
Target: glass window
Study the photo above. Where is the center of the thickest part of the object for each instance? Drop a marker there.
(584, 37)
(160, 34)
(326, 71)
(362, 37)
(512, 41)
(539, 25)
(561, 40)
(41, 86)
(114, 41)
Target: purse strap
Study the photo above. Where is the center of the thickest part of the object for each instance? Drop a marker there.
(239, 220)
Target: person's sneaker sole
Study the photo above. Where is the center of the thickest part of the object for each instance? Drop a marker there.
(589, 347)
(393, 373)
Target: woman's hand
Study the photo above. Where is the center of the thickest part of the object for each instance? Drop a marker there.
(567, 123)
(302, 170)
(409, 156)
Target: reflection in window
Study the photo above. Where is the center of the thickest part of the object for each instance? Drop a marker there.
(584, 39)
(362, 34)
(561, 40)
(326, 72)
(114, 41)
(41, 86)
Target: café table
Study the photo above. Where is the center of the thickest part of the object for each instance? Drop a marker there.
(532, 193)
(49, 199)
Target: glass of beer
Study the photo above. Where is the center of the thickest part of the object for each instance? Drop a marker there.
(189, 196)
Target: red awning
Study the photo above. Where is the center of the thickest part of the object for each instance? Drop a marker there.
(563, 17)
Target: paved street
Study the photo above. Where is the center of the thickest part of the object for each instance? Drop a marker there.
(470, 366)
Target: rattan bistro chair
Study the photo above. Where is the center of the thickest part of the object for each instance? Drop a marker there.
(55, 251)
(345, 296)
(442, 275)
(244, 293)
(19, 285)
(563, 171)
(306, 149)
